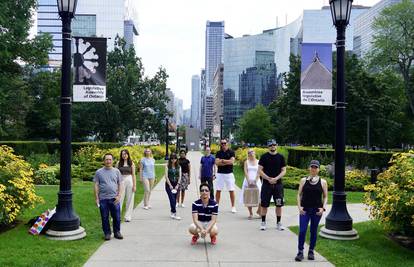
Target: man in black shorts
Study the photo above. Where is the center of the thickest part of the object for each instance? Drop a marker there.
(272, 168)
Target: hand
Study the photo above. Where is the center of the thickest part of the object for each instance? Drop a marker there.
(320, 212)
(97, 202)
(272, 180)
(171, 187)
(214, 177)
(301, 211)
(117, 199)
(134, 188)
(203, 233)
(176, 187)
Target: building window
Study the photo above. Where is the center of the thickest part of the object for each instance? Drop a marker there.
(84, 25)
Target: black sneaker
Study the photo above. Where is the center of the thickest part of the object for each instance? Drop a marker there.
(299, 257)
(118, 235)
(311, 256)
(107, 237)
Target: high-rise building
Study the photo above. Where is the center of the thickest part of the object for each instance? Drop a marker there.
(363, 32)
(217, 97)
(203, 93)
(100, 18)
(195, 101)
(178, 111)
(171, 104)
(209, 112)
(214, 50)
(186, 117)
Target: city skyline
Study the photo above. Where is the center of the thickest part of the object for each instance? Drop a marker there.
(181, 51)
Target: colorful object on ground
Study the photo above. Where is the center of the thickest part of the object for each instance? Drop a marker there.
(41, 222)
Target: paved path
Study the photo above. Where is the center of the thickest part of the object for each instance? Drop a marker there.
(153, 239)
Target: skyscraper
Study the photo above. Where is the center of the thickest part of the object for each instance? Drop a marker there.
(218, 98)
(203, 94)
(195, 101)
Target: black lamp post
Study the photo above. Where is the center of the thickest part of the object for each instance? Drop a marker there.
(338, 222)
(221, 127)
(65, 224)
(178, 141)
(209, 137)
(166, 138)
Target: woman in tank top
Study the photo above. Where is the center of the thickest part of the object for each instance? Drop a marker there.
(128, 185)
(147, 175)
(312, 198)
(172, 181)
(251, 178)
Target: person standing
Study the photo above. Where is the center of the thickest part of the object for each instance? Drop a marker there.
(107, 196)
(251, 178)
(312, 199)
(128, 186)
(225, 177)
(185, 177)
(205, 211)
(208, 170)
(272, 168)
(147, 175)
(172, 180)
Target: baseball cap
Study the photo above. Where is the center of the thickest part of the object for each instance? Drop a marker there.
(314, 163)
(271, 142)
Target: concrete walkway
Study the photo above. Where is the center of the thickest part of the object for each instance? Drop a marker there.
(153, 239)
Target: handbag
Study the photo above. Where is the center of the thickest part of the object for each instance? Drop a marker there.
(251, 196)
(40, 223)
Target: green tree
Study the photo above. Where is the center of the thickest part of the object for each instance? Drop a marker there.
(255, 126)
(393, 45)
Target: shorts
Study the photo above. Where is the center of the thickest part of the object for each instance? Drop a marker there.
(269, 191)
(225, 179)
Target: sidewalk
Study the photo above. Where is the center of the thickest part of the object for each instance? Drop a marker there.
(153, 239)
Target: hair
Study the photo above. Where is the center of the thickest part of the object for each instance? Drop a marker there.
(205, 185)
(108, 154)
(183, 151)
(121, 160)
(170, 163)
(148, 149)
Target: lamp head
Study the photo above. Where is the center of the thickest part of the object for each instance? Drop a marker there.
(340, 11)
(67, 7)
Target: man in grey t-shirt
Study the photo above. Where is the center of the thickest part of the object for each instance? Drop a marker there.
(107, 193)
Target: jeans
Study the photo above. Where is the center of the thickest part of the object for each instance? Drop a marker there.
(209, 181)
(310, 215)
(172, 197)
(106, 206)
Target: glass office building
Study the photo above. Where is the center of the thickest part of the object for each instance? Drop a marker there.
(195, 101)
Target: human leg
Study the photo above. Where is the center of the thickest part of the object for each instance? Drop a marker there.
(146, 184)
(122, 189)
(129, 195)
(171, 197)
(116, 216)
(314, 219)
(303, 227)
(104, 209)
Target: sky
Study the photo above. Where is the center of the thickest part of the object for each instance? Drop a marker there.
(172, 33)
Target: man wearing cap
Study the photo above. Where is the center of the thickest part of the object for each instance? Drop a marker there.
(312, 199)
(272, 167)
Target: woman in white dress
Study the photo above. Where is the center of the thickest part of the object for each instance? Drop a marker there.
(251, 177)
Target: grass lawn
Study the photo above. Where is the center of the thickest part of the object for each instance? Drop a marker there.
(290, 194)
(18, 248)
(372, 248)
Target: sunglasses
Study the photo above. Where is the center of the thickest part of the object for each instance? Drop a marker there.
(272, 145)
(173, 158)
(204, 190)
(223, 144)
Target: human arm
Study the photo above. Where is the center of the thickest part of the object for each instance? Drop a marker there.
(228, 161)
(264, 175)
(299, 196)
(134, 179)
(166, 177)
(324, 196)
(179, 179)
(141, 168)
(118, 196)
(189, 173)
(96, 189)
(281, 174)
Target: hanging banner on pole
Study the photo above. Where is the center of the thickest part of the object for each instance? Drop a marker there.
(89, 66)
(316, 74)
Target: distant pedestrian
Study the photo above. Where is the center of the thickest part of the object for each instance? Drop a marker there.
(172, 180)
(147, 175)
(225, 177)
(208, 170)
(107, 196)
(272, 168)
(128, 186)
(312, 199)
(185, 177)
(205, 211)
(251, 179)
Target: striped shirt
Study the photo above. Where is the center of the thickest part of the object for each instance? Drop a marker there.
(205, 212)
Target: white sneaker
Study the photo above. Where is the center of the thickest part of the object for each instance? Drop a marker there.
(175, 217)
(280, 227)
(149, 206)
(177, 205)
(145, 208)
(263, 226)
(182, 205)
(233, 210)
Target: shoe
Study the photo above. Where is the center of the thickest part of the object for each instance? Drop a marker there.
(177, 205)
(213, 240)
(263, 226)
(175, 217)
(182, 205)
(149, 206)
(145, 208)
(299, 256)
(280, 227)
(107, 237)
(311, 256)
(233, 210)
(250, 217)
(118, 235)
(127, 220)
(194, 239)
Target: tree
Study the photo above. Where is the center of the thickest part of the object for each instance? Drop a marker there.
(393, 45)
(255, 126)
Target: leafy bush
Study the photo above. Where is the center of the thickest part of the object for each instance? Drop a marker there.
(87, 159)
(214, 148)
(391, 199)
(17, 191)
(38, 159)
(47, 174)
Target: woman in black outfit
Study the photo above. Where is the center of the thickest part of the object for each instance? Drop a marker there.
(312, 198)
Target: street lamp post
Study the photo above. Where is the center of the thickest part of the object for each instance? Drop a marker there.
(65, 224)
(209, 137)
(221, 127)
(178, 141)
(338, 222)
(166, 138)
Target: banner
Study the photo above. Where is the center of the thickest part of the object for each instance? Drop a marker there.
(316, 74)
(89, 67)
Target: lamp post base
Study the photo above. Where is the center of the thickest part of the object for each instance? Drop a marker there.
(339, 235)
(66, 235)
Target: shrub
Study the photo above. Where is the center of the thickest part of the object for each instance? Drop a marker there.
(37, 159)
(17, 191)
(47, 175)
(87, 159)
(391, 199)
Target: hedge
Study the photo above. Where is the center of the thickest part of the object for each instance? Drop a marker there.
(300, 157)
(26, 148)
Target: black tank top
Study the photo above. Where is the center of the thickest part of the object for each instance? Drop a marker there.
(312, 195)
